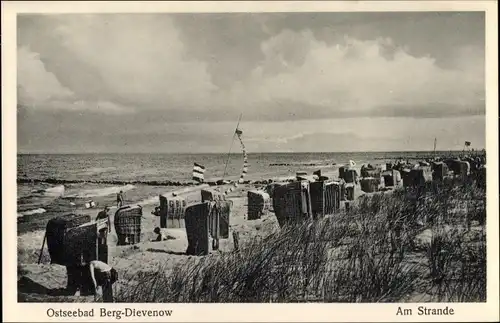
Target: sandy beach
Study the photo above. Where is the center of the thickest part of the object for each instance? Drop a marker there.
(144, 257)
(361, 132)
(43, 282)
(36, 280)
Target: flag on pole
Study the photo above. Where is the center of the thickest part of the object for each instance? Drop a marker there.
(244, 169)
(198, 173)
(467, 143)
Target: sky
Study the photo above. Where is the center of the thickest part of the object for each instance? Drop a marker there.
(303, 82)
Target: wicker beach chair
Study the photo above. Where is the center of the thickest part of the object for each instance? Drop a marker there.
(292, 202)
(258, 204)
(325, 197)
(128, 224)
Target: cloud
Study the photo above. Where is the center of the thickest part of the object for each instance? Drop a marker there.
(137, 61)
(149, 67)
(91, 131)
(35, 84)
(302, 81)
(366, 134)
(360, 78)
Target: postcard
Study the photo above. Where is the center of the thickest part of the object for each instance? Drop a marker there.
(250, 161)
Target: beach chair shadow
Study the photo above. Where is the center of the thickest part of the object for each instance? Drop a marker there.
(166, 251)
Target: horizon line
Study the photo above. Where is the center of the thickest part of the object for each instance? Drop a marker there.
(238, 153)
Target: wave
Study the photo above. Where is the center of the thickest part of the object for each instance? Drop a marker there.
(35, 200)
(127, 183)
(31, 212)
(115, 182)
(55, 191)
(108, 182)
(97, 192)
(97, 170)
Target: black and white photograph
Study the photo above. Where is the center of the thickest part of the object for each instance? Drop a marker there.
(253, 157)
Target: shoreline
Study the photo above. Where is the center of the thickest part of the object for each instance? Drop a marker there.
(149, 257)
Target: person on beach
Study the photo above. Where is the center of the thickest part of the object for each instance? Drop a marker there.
(103, 232)
(119, 199)
(156, 211)
(105, 276)
(159, 236)
(104, 215)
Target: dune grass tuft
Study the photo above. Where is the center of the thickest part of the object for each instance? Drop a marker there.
(375, 252)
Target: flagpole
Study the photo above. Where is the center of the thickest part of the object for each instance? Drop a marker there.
(230, 147)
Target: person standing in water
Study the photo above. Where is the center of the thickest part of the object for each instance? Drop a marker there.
(119, 199)
(105, 276)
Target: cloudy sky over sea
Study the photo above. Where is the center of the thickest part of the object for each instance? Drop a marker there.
(303, 81)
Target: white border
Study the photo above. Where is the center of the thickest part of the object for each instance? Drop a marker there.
(14, 312)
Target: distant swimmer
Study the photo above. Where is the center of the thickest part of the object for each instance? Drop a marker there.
(119, 199)
(105, 276)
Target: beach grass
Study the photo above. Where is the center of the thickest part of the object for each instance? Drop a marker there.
(406, 245)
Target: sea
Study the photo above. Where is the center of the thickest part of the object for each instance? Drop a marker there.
(98, 178)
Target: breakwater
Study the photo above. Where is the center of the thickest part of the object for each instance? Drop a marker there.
(25, 180)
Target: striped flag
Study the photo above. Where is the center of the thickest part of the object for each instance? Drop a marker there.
(301, 175)
(198, 173)
(244, 170)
